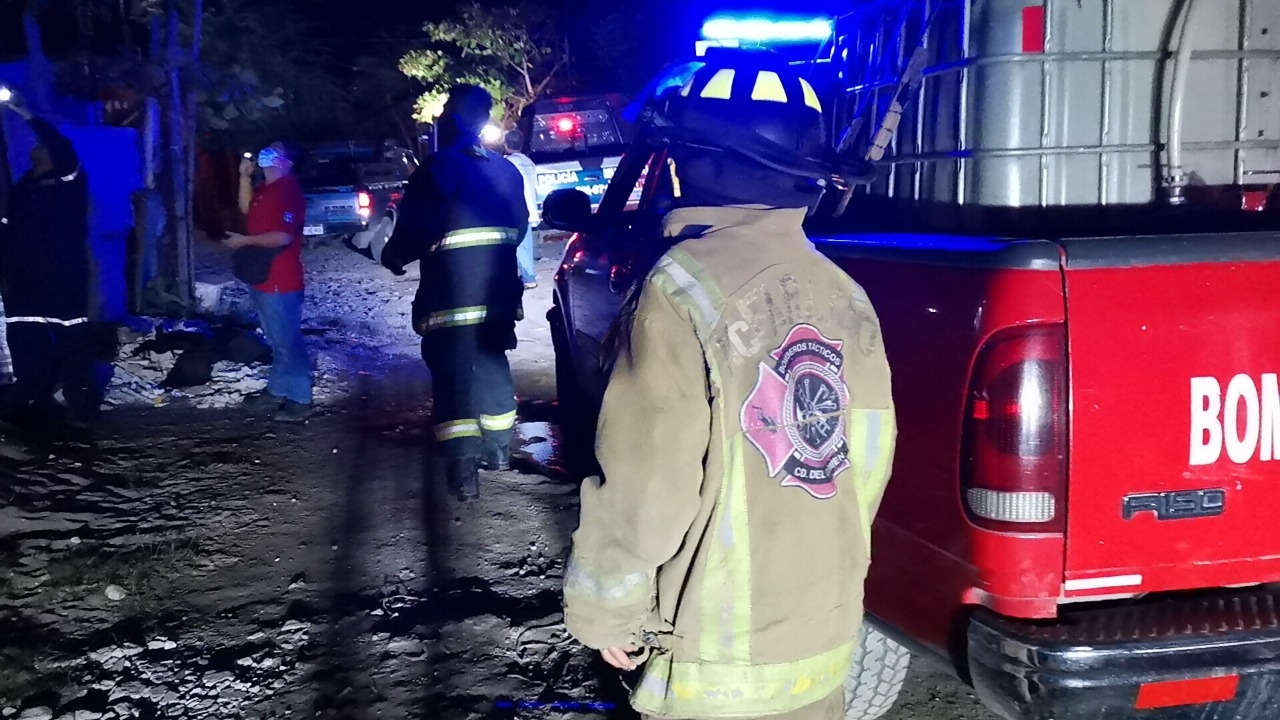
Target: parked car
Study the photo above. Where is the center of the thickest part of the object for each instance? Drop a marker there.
(352, 190)
(575, 142)
(1081, 519)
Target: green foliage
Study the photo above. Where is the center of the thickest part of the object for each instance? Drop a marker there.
(514, 52)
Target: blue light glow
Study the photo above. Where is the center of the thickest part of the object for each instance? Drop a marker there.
(767, 30)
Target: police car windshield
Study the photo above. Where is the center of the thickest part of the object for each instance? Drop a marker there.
(574, 132)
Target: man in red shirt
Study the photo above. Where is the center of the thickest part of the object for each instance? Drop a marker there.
(276, 213)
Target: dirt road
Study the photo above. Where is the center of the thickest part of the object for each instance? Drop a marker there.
(193, 563)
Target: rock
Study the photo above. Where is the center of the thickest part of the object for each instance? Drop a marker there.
(40, 713)
(218, 678)
(115, 593)
(86, 715)
(406, 646)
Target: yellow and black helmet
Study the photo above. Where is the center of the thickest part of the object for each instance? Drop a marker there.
(758, 107)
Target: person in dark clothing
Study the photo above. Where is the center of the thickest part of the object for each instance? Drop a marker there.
(462, 216)
(44, 262)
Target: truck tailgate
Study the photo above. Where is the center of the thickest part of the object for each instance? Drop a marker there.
(1174, 476)
(327, 206)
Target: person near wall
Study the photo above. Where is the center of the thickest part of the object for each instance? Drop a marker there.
(268, 258)
(524, 253)
(44, 258)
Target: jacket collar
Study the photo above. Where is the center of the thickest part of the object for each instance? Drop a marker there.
(698, 221)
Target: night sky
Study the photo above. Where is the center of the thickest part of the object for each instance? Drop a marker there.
(672, 25)
(360, 34)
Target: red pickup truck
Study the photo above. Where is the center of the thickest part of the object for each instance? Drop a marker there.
(1084, 515)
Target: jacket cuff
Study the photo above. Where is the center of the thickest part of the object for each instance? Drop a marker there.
(600, 628)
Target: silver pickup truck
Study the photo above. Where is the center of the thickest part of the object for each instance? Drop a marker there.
(352, 191)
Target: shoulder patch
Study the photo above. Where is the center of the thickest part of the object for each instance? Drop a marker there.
(288, 217)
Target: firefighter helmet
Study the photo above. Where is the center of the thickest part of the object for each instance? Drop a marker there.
(757, 107)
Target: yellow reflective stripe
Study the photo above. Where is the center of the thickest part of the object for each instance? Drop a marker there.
(689, 286)
(475, 237)
(881, 433)
(769, 87)
(456, 317)
(720, 86)
(858, 434)
(622, 590)
(726, 592)
(810, 96)
(457, 429)
(696, 689)
(496, 423)
(871, 438)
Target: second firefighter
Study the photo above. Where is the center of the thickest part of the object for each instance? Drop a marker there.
(462, 216)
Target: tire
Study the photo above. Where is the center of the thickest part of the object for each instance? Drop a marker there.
(577, 413)
(877, 676)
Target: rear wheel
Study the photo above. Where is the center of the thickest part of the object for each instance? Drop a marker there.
(878, 673)
(577, 412)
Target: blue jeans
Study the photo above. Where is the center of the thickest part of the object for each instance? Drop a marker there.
(280, 315)
(524, 258)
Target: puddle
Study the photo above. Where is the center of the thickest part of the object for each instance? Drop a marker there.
(540, 442)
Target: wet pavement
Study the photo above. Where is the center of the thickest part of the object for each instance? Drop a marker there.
(188, 563)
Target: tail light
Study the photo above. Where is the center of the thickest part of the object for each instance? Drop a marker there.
(1014, 476)
(364, 202)
(565, 125)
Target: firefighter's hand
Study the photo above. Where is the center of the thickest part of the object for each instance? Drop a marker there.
(619, 658)
(247, 166)
(234, 241)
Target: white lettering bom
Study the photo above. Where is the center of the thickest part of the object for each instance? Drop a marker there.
(1245, 421)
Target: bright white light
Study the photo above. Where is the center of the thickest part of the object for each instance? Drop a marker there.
(491, 133)
(5, 94)
(1013, 507)
(764, 30)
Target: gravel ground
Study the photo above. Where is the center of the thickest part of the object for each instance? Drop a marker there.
(190, 562)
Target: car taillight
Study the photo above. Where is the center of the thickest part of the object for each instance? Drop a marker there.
(565, 125)
(1014, 475)
(364, 202)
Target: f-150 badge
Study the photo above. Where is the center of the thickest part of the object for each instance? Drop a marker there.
(795, 414)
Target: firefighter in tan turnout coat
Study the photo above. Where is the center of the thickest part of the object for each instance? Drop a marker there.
(747, 431)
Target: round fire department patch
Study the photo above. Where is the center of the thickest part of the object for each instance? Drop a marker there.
(795, 413)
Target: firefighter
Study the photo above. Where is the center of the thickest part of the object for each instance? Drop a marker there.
(747, 429)
(462, 216)
(46, 267)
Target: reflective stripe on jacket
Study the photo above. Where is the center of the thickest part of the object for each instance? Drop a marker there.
(462, 216)
(746, 439)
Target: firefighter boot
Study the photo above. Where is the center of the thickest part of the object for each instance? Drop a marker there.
(495, 458)
(462, 477)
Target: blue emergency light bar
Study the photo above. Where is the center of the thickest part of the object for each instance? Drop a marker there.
(764, 30)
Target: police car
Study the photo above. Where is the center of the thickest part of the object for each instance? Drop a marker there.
(575, 142)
